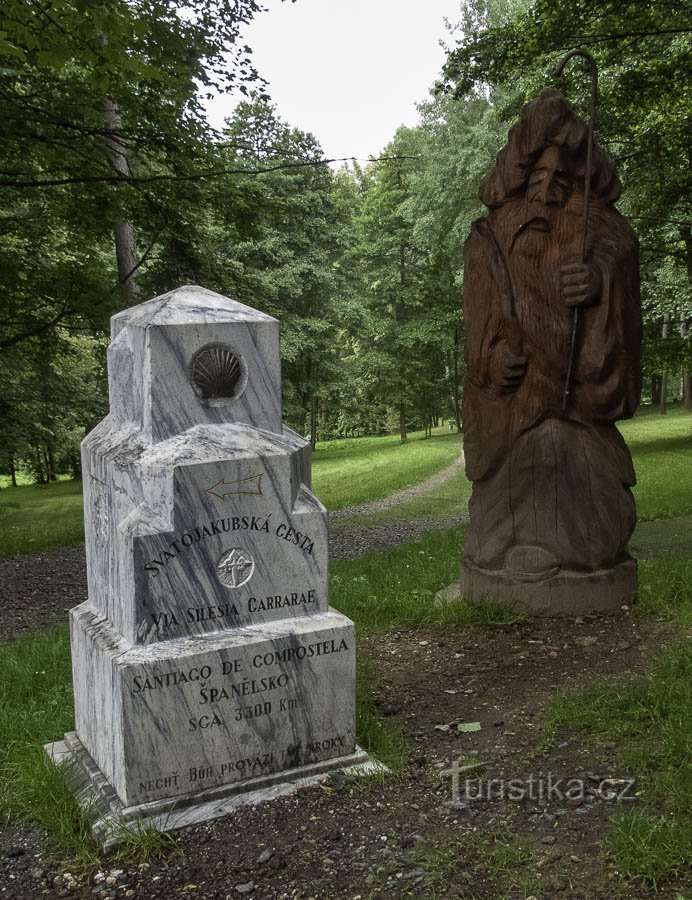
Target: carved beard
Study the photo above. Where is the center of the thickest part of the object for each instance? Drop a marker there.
(537, 234)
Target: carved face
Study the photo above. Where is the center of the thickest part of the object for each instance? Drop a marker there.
(535, 223)
(549, 183)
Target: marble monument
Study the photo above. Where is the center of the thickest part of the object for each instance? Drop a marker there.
(209, 669)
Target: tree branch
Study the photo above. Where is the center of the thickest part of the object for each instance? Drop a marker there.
(194, 176)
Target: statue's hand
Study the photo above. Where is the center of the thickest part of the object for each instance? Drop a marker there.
(580, 285)
(508, 366)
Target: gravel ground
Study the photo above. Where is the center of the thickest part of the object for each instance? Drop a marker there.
(351, 841)
(349, 543)
(36, 591)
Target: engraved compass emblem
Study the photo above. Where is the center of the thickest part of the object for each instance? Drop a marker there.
(235, 567)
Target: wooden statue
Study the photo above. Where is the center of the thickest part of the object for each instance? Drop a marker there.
(551, 509)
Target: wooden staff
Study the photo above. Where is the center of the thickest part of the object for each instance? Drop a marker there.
(587, 189)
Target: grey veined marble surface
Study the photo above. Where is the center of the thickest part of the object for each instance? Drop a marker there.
(207, 652)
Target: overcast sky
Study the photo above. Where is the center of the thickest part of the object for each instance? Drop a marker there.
(349, 71)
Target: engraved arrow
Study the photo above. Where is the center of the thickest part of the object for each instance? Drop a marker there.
(223, 489)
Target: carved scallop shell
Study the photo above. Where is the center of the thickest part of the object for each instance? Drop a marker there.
(217, 374)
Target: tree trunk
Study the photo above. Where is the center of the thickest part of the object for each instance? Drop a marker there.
(13, 472)
(686, 233)
(455, 389)
(52, 474)
(46, 463)
(686, 376)
(655, 387)
(38, 462)
(402, 424)
(313, 422)
(125, 241)
(662, 407)
(76, 466)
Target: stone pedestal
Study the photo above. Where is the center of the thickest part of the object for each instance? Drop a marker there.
(206, 660)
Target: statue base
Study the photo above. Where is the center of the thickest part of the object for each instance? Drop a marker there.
(560, 593)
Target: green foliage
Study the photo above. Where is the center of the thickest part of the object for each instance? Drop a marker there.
(285, 247)
(362, 267)
(65, 64)
(642, 51)
(51, 392)
(36, 707)
(400, 349)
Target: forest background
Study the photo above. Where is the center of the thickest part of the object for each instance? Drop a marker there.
(115, 189)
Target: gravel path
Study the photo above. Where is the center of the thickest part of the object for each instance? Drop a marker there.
(398, 497)
(37, 590)
(350, 543)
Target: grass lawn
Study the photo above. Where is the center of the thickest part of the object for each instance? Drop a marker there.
(447, 500)
(35, 517)
(661, 447)
(650, 721)
(350, 472)
(354, 471)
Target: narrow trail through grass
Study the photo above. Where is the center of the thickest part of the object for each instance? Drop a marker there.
(402, 496)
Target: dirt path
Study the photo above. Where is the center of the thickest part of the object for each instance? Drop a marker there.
(406, 836)
(402, 496)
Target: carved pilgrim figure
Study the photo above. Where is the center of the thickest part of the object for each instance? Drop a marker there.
(551, 508)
